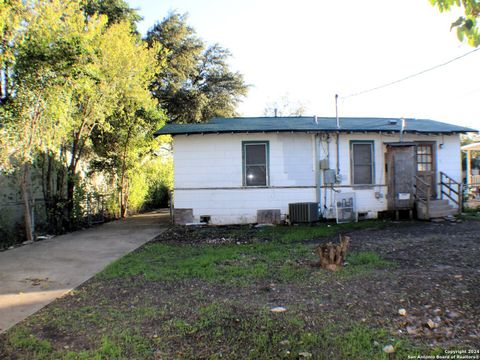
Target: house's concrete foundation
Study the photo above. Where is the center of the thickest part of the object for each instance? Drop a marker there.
(183, 216)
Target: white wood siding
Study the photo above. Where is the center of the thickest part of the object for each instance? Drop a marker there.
(208, 173)
(448, 160)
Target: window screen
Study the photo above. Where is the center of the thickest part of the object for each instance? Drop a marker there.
(362, 163)
(255, 164)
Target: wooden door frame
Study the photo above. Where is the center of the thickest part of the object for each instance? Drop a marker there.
(433, 143)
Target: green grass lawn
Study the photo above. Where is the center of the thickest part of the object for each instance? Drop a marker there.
(196, 301)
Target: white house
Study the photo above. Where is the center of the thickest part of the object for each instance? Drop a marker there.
(226, 170)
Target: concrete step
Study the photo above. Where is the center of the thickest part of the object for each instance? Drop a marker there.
(439, 202)
(438, 209)
(437, 214)
(441, 207)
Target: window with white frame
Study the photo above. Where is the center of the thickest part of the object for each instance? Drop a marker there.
(362, 164)
(255, 163)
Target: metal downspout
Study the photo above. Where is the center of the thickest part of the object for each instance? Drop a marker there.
(338, 135)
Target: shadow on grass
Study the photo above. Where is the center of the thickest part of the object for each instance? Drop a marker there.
(229, 330)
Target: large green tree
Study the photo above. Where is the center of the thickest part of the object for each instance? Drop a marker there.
(467, 26)
(196, 84)
(39, 113)
(37, 123)
(122, 146)
(72, 72)
(115, 10)
(60, 38)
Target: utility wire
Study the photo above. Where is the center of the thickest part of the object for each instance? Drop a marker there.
(409, 76)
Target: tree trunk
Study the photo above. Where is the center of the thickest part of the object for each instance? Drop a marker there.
(123, 209)
(2, 82)
(124, 179)
(71, 172)
(47, 189)
(70, 197)
(26, 201)
(78, 144)
(53, 193)
(123, 197)
(126, 190)
(62, 219)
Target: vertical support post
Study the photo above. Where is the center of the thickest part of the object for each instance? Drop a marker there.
(428, 201)
(469, 169)
(460, 198)
(450, 187)
(441, 185)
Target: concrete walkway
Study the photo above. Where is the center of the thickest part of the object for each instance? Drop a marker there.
(34, 275)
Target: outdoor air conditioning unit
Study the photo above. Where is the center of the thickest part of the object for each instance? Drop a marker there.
(303, 212)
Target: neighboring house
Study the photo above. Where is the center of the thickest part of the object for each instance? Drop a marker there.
(228, 169)
(472, 175)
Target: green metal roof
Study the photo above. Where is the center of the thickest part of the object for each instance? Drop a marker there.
(309, 124)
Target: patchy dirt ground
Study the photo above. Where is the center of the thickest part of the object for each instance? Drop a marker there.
(433, 273)
(435, 278)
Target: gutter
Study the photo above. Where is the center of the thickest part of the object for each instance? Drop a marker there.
(352, 131)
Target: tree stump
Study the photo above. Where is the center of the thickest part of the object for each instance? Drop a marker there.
(332, 256)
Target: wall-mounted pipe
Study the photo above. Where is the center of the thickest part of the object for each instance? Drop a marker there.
(316, 164)
(402, 129)
(338, 135)
(336, 111)
(338, 153)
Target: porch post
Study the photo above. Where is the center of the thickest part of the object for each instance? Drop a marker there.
(469, 170)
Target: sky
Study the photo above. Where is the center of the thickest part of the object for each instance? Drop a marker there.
(310, 50)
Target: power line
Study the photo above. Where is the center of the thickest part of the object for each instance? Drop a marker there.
(410, 76)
